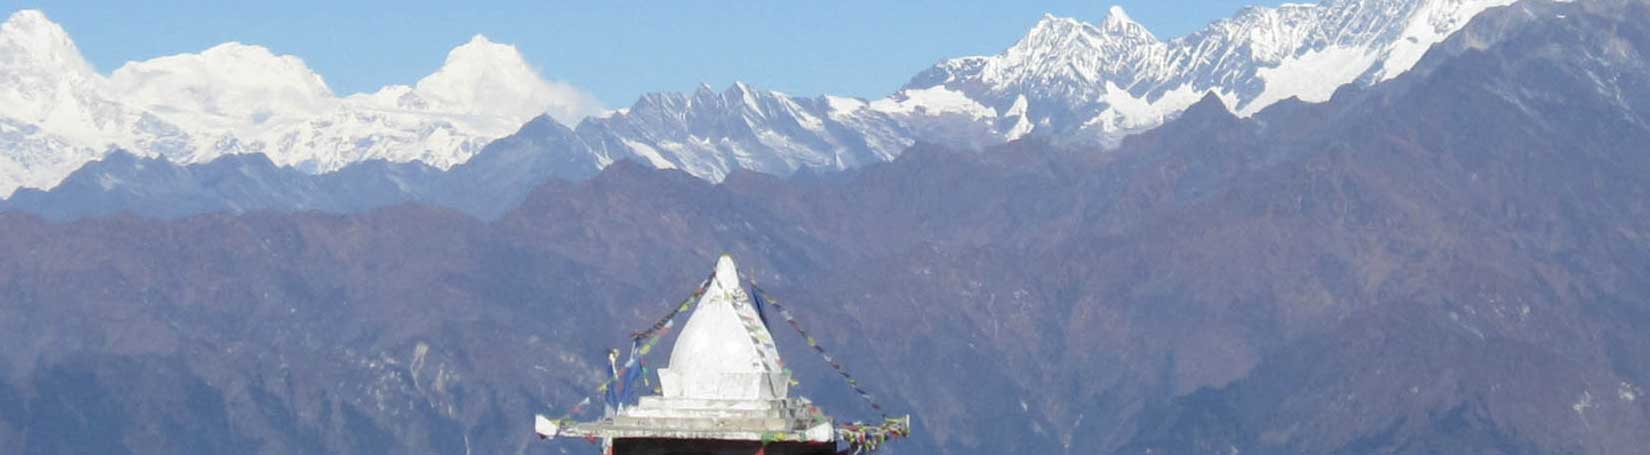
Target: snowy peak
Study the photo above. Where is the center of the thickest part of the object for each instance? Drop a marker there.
(1059, 55)
(1115, 14)
(1053, 32)
(747, 98)
(481, 77)
(476, 72)
(233, 83)
(43, 77)
(1052, 27)
(1119, 24)
(30, 41)
(479, 49)
(1268, 35)
(1060, 36)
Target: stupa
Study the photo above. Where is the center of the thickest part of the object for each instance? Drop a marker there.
(724, 391)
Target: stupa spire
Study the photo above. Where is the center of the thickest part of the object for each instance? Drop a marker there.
(724, 351)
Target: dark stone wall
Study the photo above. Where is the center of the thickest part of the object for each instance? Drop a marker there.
(715, 447)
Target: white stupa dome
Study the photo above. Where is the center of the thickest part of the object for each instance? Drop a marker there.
(724, 352)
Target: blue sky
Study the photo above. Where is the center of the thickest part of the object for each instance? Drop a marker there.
(616, 49)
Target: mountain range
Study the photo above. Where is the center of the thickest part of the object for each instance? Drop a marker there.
(58, 113)
(1066, 81)
(1105, 81)
(1456, 260)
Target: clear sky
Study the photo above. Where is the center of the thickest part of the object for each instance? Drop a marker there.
(616, 49)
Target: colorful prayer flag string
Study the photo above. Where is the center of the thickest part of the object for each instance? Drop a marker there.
(641, 344)
(814, 343)
(860, 437)
(682, 307)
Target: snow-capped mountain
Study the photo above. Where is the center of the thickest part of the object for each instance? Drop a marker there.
(710, 134)
(57, 113)
(1066, 80)
(1104, 81)
(53, 117)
